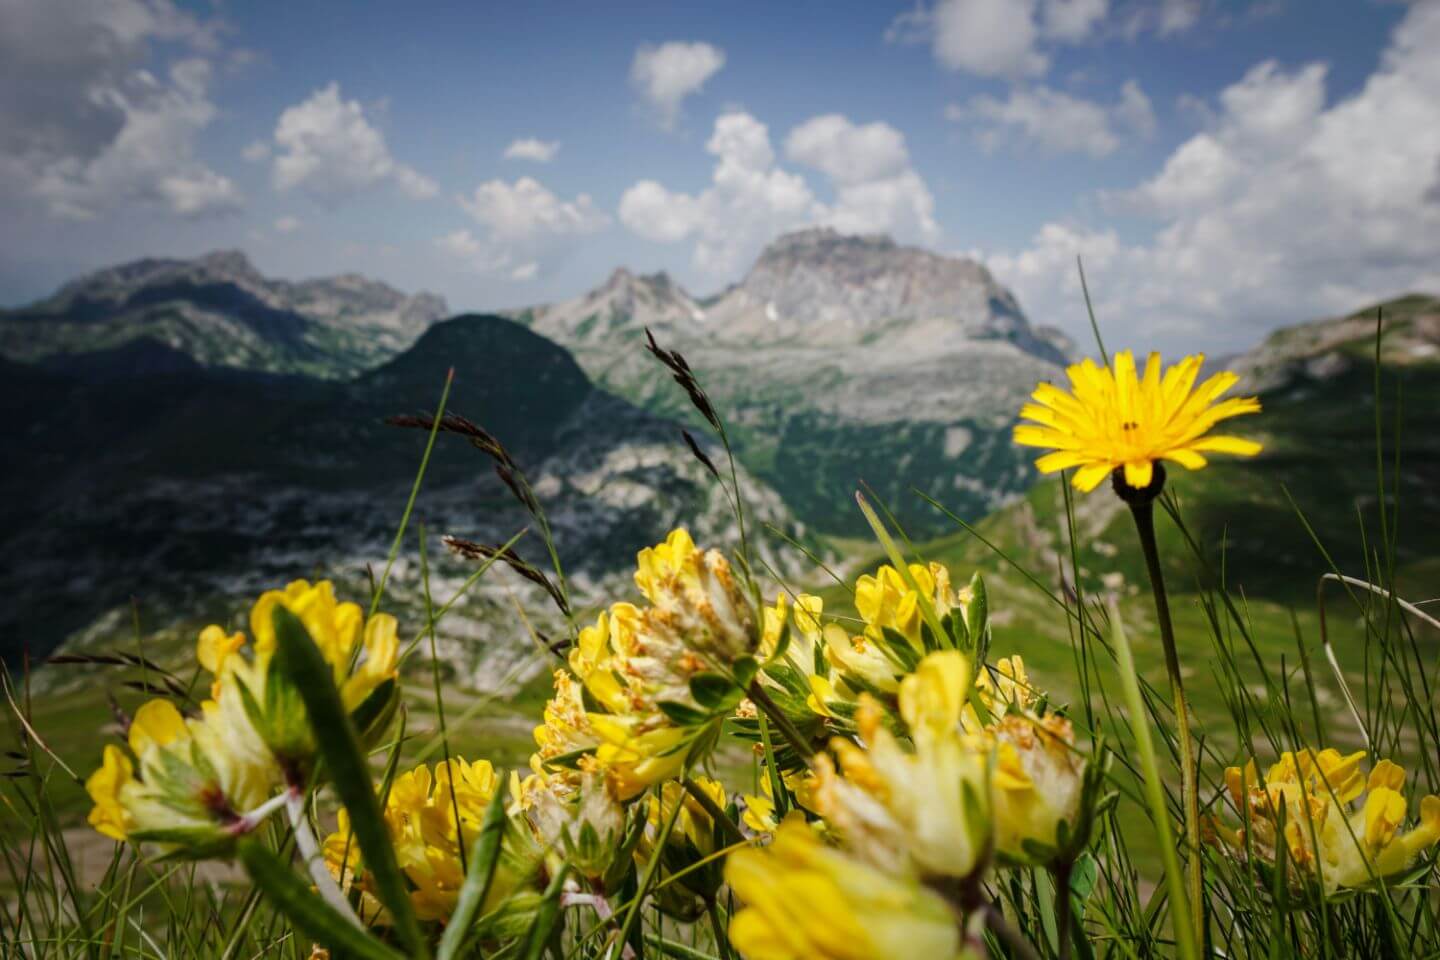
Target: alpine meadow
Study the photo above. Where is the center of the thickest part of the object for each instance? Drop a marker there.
(989, 509)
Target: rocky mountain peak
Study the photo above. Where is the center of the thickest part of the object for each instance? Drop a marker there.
(228, 264)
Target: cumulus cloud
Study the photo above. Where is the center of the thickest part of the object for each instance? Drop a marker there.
(748, 202)
(326, 147)
(751, 198)
(665, 75)
(1056, 120)
(529, 148)
(876, 189)
(526, 210)
(998, 38)
(1284, 209)
(88, 124)
(288, 224)
(256, 151)
(524, 223)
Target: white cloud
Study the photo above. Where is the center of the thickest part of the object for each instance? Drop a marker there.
(88, 124)
(665, 75)
(848, 153)
(749, 201)
(1073, 20)
(525, 223)
(993, 38)
(1134, 111)
(876, 189)
(151, 157)
(526, 211)
(1056, 120)
(998, 38)
(327, 148)
(256, 151)
(288, 224)
(529, 148)
(1016, 39)
(657, 214)
(1286, 209)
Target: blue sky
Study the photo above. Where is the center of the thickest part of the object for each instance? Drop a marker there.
(1224, 166)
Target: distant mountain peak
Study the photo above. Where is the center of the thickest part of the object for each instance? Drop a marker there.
(222, 311)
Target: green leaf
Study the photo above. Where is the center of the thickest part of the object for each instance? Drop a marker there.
(977, 613)
(569, 760)
(300, 661)
(682, 714)
(898, 649)
(714, 691)
(311, 915)
(376, 711)
(745, 668)
(484, 855)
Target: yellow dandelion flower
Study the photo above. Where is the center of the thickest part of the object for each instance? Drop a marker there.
(1112, 419)
(1340, 826)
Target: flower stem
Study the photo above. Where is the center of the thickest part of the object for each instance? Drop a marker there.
(782, 723)
(717, 928)
(314, 861)
(1062, 905)
(1142, 508)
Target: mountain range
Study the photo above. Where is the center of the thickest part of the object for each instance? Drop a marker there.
(221, 312)
(837, 360)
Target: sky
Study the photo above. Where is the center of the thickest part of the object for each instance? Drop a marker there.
(1223, 167)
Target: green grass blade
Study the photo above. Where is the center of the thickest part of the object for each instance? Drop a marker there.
(300, 660)
(483, 857)
(1154, 792)
(311, 916)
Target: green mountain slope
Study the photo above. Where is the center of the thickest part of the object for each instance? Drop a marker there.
(193, 488)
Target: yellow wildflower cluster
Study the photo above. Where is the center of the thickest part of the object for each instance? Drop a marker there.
(1116, 418)
(431, 814)
(1339, 827)
(637, 663)
(964, 785)
(187, 782)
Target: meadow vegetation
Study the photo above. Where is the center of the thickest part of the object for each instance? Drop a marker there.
(1064, 731)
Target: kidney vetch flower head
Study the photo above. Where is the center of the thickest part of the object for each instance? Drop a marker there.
(1114, 419)
(1339, 826)
(363, 656)
(695, 596)
(804, 899)
(430, 815)
(179, 785)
